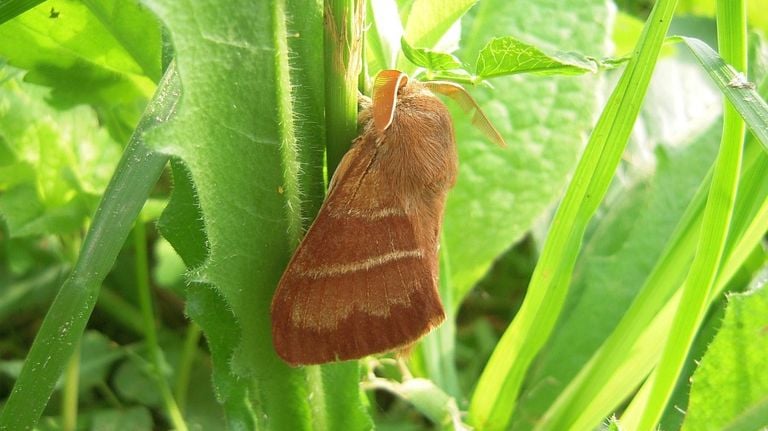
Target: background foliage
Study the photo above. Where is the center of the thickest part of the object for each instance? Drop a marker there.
(218, 111)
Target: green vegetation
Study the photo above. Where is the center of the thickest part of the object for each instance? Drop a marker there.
(606, 270)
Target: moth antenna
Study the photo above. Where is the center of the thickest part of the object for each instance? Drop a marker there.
(468, 104)
(385, 88)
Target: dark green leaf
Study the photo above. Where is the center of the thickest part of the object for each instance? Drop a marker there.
(181, 223)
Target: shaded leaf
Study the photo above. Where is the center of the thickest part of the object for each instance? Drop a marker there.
(181, 223)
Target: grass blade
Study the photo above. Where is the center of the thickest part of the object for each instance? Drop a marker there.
(716, 220)
(494, 399)
(740, 92)
(63, 326)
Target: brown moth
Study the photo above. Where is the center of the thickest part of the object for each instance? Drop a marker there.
(364, 278)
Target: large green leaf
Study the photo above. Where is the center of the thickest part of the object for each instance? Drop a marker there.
(249, 131)
(730, 387)
(501, 192)
(226, 132)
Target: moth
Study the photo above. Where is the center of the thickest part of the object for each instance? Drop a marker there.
(364, 279)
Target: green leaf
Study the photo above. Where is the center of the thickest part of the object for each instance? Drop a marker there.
(134, 382)
(500, 193)
(226, 133)
(20, 207)
(508, 56)
(67, 53)
(729, 383)
(57, 162)
(29, 293)
(252, 151)
(97, 356)
(426, 22)
(209, 310)
(735, 86)
(429, 59)
(181, 223)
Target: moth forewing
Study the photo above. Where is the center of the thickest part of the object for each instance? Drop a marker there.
(386, 87)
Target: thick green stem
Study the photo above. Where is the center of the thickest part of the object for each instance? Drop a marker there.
(343, 48)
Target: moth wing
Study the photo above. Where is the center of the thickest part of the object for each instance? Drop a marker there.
(364, 279)
(385, 89)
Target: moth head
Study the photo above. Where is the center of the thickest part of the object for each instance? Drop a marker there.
(386, 88)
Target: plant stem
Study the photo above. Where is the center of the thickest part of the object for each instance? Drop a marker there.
(188, 356)
(150, 332)
(343, 36)
(71, 384)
